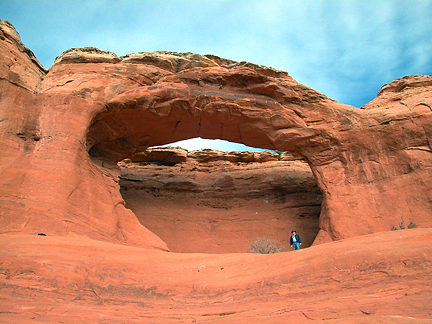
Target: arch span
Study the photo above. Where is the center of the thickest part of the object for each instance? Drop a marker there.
(370, 163)
(176, 110)
(261, 107)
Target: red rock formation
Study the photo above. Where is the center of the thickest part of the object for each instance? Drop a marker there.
(372, 164)
(64, 130)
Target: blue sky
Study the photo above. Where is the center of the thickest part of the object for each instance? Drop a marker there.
(345, 49)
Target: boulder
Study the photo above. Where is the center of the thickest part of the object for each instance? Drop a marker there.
(162, 155)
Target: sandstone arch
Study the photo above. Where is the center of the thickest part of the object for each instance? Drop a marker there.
(372, 164)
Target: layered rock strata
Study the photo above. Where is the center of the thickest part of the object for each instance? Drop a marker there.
(219, 202)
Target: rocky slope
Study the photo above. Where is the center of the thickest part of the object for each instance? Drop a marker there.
(51, 279)
(219, 202)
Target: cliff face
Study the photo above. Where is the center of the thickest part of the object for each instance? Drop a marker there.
(219, 202)
(92, 109)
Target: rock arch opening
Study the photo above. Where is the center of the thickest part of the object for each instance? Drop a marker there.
(135, 120)
(211, 201)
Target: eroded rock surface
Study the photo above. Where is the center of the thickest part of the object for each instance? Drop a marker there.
(74, 280)
(220, 202)
(93, 109)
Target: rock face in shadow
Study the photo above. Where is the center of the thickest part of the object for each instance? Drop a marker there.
(64, 130)
(210, 201)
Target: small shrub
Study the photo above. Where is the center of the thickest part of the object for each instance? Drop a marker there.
(264, 245)
(402, 225)
(412, 225)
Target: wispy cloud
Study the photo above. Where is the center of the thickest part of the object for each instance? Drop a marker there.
(344, 49)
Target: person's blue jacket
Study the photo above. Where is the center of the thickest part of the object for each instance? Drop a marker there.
(297, 238)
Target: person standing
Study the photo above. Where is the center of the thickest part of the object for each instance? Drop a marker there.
(295, 240)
